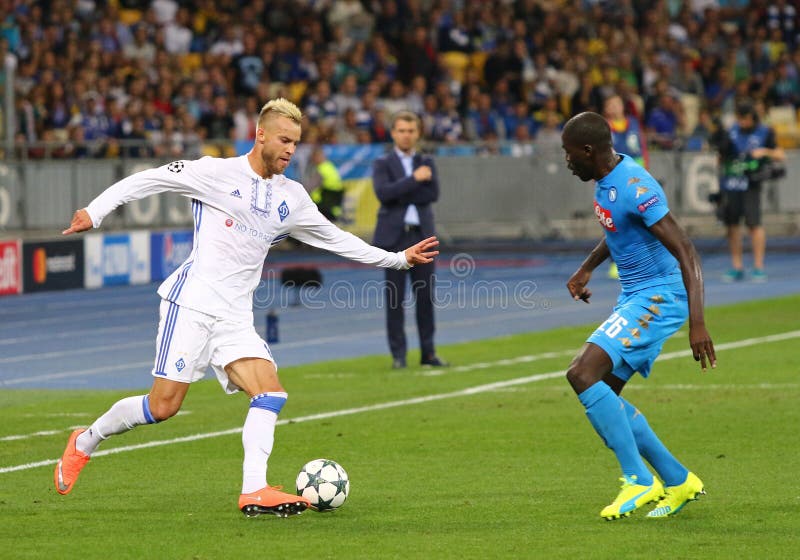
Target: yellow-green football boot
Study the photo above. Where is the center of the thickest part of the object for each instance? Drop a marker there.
(631, 497)
(678, 496)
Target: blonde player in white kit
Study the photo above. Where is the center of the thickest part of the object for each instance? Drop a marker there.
(241, 206)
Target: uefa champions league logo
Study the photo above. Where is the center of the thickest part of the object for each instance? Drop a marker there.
(175, 166)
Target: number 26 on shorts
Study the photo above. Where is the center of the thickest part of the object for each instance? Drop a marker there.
(613, 325)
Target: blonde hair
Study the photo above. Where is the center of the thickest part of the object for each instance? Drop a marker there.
(407, 116)
(281, 107)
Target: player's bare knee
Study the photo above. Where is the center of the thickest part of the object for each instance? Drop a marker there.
(273, 386)
(261, 387)
(163, 409)
(579, 377)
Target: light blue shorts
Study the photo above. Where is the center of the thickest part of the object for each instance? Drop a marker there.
(636, 330)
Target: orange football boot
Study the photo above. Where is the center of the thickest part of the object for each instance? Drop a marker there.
(271, 500)
(70, 465)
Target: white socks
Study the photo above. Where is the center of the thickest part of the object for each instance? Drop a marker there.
(121, 417)
(258, 436)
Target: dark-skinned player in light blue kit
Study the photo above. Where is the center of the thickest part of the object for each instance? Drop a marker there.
(662, 285)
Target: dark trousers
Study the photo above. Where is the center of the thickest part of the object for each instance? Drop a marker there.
(422, 288)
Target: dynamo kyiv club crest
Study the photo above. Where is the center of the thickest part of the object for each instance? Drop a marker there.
(283, 210)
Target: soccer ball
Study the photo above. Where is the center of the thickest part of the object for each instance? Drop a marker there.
(324, 483)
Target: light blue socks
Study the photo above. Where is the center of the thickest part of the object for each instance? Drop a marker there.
(607, 413)
(650, 447)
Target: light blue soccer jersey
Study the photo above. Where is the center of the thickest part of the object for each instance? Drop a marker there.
(652, 305)
(626, 202)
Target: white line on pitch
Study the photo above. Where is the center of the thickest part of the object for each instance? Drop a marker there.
(54, 414)
(37, 434)
(18, 437)
(715, 387)
(566, 353)
(394, 404)
(504, 362)
(677, 387)
(736, 344)
(321, 416)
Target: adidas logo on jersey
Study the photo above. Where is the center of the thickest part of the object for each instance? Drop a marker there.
(236, 194)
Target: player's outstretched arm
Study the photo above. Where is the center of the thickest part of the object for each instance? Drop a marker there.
(80, 222)
(678, 243)
(423, 252)
(580, 278)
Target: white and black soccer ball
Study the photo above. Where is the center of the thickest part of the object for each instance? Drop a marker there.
(324, 483)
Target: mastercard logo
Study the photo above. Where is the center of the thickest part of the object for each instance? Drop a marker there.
(39, 266)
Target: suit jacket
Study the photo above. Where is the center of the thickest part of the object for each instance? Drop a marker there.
(395, 192)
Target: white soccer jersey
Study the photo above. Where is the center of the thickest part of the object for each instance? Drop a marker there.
(237, 217)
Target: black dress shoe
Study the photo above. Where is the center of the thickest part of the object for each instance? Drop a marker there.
(434, 361)
(397, 363)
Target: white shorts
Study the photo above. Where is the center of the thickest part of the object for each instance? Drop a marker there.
(189, 341)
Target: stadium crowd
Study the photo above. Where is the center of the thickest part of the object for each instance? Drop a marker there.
(189, 76)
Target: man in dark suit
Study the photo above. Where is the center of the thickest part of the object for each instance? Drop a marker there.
(406, 185)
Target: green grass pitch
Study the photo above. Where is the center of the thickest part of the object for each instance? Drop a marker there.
(486, 460)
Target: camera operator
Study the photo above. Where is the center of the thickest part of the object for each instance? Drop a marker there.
(748, 155)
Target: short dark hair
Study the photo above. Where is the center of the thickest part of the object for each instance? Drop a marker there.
(746, 108)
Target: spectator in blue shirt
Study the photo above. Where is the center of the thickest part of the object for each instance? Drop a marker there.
(521, 116)
(484, 121)
(664, 121)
